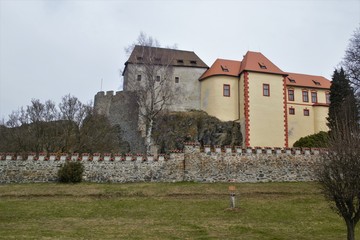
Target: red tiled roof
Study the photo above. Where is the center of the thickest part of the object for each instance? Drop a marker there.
(222, 67)
(304, 80)
(257, 62)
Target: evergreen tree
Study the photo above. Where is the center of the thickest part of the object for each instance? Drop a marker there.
(341, 97)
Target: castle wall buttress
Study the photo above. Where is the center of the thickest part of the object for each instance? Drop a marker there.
(265, 110)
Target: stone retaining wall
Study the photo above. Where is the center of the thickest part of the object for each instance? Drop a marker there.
(194, 164)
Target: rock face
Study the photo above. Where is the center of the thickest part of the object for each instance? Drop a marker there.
(172, 129)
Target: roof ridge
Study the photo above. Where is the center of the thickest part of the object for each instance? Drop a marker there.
(165, 48)
(305, 74)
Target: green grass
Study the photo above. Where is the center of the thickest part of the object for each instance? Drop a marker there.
(166, 211)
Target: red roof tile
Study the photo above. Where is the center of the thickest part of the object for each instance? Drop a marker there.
(304, 80)
(257, 62)
(223, 67)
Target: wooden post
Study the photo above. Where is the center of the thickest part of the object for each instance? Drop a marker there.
(232, 196)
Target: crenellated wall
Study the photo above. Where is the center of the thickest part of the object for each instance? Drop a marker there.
(208, 164)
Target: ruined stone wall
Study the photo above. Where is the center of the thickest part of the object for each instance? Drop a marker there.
(218, 165)
(121, 109)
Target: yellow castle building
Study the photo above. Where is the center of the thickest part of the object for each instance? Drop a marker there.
(274, 108)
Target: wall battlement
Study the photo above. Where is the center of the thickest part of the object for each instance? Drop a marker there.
(192, 164)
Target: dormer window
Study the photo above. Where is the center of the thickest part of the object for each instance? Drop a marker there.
(157, 59)
(262, 65)
(180, 61)
(316, 83)
(291, 80)
(139, 58)
(224, 68)
(193, 62)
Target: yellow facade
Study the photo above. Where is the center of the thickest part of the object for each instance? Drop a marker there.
(300, 125)
(213, 101)
(266, 116)
(266, 113)
(260, 102)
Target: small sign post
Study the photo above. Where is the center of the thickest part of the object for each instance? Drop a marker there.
(232, 196)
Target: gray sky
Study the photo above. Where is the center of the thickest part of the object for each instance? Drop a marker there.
(50, 48)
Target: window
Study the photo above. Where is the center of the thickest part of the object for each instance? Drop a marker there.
(226, 90)
(291, 80)
(139, 77)
(158, 78)
(139, 58)
(177, 79)
(193, 62)
(262, 65)
(180, 61)
(314, 97)
(292, 111)
(316, 83)
(157, 59)
(327, 96)
(305, 96)
(291, 95)
(266, 90)
(306, 112)
(224, 68)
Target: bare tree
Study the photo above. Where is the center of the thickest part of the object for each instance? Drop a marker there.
(71, 127)
(102, 138)
(72, 109)
(18, 139)
(148, 73)
(339, 170)
(351, 60)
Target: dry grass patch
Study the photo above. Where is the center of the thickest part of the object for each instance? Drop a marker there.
(166, 211)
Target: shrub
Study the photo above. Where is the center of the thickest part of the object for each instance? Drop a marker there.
(320, 140)
(71, 172)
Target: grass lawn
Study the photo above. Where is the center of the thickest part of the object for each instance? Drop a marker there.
(167, 211)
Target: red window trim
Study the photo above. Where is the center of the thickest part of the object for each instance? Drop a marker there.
(291, 108)
(327, 99)
(268, 90)
(312, 97)
(307, 95)
(226, 85)
(293, 94)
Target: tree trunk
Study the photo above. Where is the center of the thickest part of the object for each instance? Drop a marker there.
(148, 136)
(350, 230)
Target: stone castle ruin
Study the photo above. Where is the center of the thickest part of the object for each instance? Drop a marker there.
(121, 108)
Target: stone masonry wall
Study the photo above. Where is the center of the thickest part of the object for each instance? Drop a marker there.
(218, 165)
(121, 109)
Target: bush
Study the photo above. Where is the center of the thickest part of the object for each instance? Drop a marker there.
(320, 140)
(71, 172)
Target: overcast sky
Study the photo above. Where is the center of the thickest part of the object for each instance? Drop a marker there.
(49, 48)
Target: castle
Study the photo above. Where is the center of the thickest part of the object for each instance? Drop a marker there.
(274, 108)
